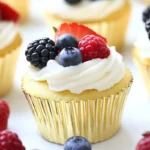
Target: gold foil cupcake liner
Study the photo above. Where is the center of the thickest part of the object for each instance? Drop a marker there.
(96, 120)
(113, 29)
(144, 71)
(7, 70)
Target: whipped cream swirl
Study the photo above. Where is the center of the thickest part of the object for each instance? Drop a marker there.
(8, 30)
(99, 74)
(84, 11)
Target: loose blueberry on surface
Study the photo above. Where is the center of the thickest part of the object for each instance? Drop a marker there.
(70, 57)
(72, 2)
(39, 52)
(66, 40)
(77, 143)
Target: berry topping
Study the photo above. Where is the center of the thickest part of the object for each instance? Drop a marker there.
(72, 2)
(66, 40)
(147, 27)
(146, 14)
(78, 31)
(39, 52)
(77, 143)
(93, 47)
(10, 141)
(7, 13)
(144, 143)
(70, 57)
(4, 114)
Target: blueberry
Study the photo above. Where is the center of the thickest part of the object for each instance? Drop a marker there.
(77, 143)
(70, 57)
(66, 40)
(72, 2)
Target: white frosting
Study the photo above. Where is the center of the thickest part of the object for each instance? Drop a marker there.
(86, 10)
(143, 43)
(99, 74)
(8, 30)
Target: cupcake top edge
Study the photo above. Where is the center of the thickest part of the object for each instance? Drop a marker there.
(8, 24)
(82, 9)
(78, 60)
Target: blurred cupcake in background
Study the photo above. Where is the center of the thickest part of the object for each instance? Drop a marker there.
(76, 88)
(141, 51)
(21, 6)
(10, 41)
(106, 17)
(146, 1)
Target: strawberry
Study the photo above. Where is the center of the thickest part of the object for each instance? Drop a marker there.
(4, 114)
(78, 31)
(144, 143)
(7, 13)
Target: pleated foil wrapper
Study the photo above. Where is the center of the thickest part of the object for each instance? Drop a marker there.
(97, 120)
(113, 29)
(7, 70)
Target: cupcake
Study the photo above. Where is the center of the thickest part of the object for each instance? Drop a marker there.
(76, 86)
(146, 1)
(104, 17)
(21, 6)
(141, 51)
(10, 41)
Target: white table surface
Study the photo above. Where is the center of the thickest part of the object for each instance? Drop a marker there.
(136, 117)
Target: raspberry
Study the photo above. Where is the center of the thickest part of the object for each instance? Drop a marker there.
(4, 114)
(10, 141)
(144, 143)
(93, 47)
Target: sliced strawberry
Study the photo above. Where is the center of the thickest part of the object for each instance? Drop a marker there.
(7, 13)
(78, 31)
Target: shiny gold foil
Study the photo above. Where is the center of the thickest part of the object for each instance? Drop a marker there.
(7, 70)
(97, 120)
(21, 6)
(113, 28)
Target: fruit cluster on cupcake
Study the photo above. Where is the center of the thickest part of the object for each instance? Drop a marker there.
(7, 13)
(74, 44)
(74, 2)
(146, 20)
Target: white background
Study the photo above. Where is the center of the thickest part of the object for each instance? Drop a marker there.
(136, 118)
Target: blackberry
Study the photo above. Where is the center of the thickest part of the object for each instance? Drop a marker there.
(147, 27)
(146, 14)
(73, 2)
(39, 52)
